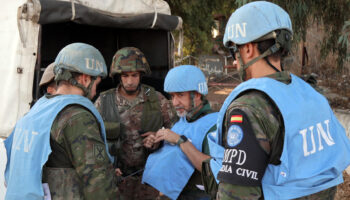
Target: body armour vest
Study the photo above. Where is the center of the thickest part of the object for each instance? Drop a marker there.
(152, 118)
(168, 169)
(28, 146)
(315, 150)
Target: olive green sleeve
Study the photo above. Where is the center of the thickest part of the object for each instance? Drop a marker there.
(87, 152)
(168, 112)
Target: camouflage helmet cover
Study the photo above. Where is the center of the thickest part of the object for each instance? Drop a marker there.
(129, 59)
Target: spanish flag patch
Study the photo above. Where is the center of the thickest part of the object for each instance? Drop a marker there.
(236, 119)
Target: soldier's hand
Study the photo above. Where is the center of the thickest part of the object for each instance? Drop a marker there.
(118, 172)
(167, 135)
(149, 133)
(148, 142)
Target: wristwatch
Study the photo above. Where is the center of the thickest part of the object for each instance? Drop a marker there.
(181, 140)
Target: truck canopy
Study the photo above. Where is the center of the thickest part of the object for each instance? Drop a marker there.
(31, 38)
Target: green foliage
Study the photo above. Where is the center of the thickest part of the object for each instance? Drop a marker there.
(334, 15)
(198, 22)
(343, 40)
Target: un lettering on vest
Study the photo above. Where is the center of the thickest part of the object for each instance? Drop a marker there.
(237, 157)
(236, 30)
(309, 145)
(23, 138)
(93, 64)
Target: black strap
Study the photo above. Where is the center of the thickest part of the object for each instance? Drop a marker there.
(273, 67)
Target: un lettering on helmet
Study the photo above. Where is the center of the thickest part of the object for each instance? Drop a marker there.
(202, 87)
(253, 21)
(93, 64)
(236, 30)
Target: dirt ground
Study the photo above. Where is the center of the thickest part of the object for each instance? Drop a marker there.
(220, 88)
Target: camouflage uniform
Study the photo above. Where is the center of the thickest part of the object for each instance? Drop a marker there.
(133, 155)
(267, 125)
(78, 167)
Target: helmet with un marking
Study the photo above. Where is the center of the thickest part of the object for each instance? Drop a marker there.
(255, 21)
(80, 58)
(185, 78)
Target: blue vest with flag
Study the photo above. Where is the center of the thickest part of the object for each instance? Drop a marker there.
(168, 170)
(316, 149)
(28, 146)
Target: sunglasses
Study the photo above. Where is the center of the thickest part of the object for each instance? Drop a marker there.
(233, 50)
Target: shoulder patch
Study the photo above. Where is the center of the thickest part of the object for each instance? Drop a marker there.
(234, 135)
(99, 152)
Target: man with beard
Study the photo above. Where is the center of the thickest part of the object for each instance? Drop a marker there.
(175, 170)
(132, 112)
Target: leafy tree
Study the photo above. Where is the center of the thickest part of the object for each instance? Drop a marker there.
(334, 15)
(198, 22)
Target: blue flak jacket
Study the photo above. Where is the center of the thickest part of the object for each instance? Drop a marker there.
(28, 146)
(315, 150)
(168, 169)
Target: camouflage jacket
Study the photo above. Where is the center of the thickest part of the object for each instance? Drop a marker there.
(78, 167)
(133, 155)
(267, 125)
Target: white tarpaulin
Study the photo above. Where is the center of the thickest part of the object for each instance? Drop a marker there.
(16, 66)
(127, 7)
(19, 39)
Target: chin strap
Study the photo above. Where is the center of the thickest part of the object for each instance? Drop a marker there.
(271, 65)
(65, 75)
(138, 86)
(194, 108)
(282, 39)
(86, 90)
(242, 70)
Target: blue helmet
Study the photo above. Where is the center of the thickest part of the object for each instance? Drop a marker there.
(255, 21)
(81, 58)
(185, 78)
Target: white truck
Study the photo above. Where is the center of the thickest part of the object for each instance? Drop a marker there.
(33, 31)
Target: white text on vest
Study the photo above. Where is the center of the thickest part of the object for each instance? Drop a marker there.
(308, 134)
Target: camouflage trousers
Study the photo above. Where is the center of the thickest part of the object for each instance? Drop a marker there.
(131, 188)
(327, 194)
(188, 196)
